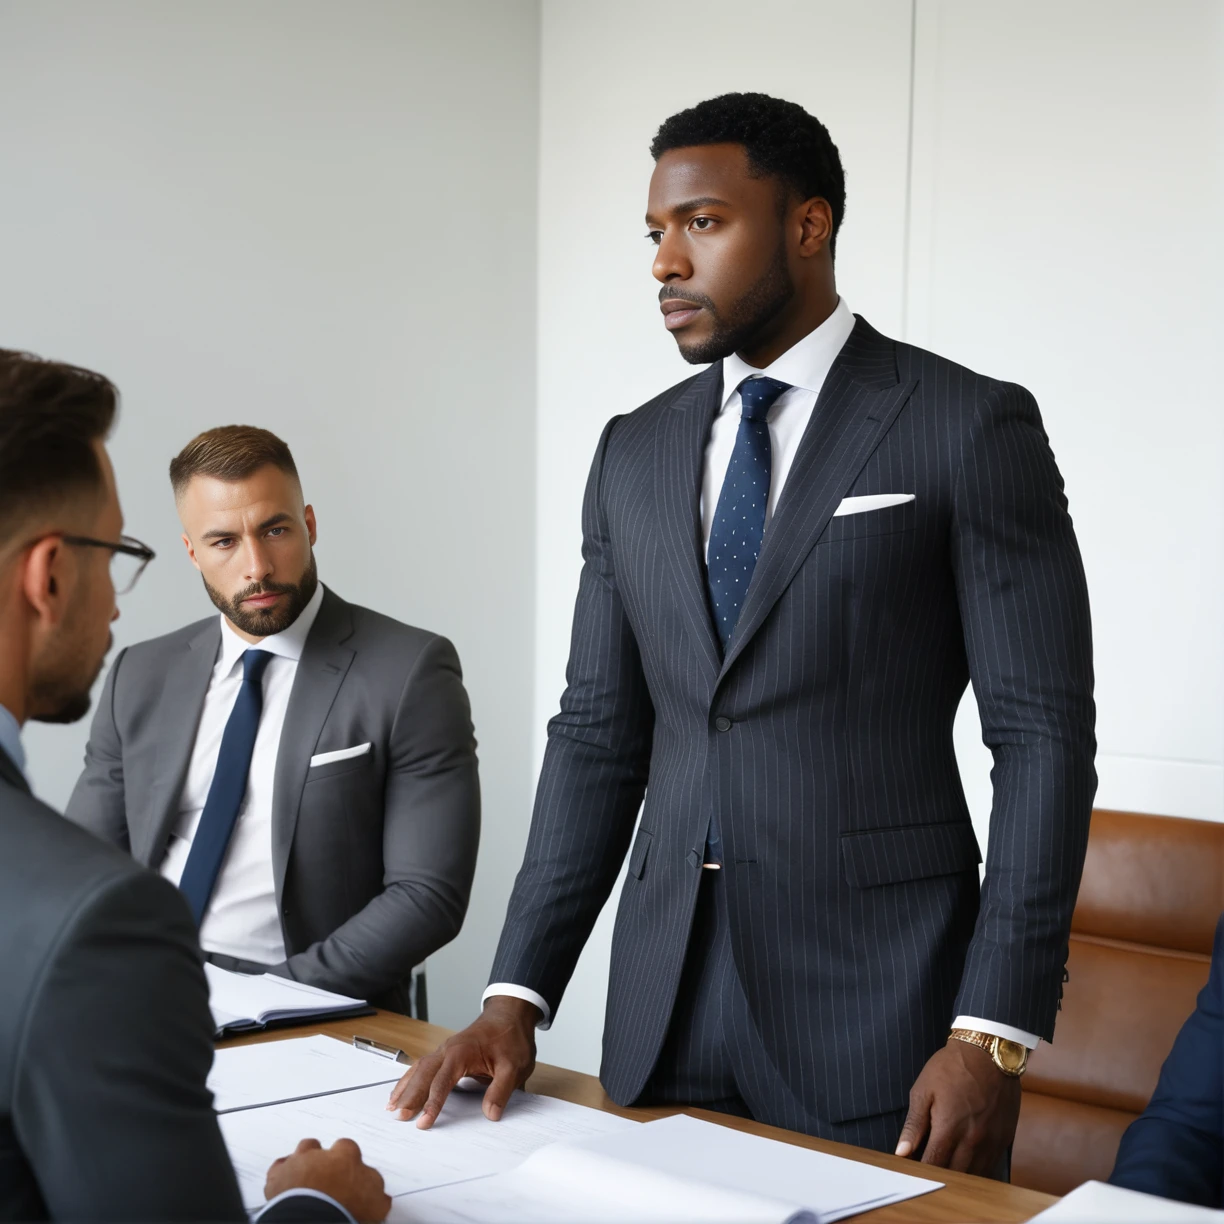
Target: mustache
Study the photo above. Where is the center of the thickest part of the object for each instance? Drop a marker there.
(686, 295)
(264, 588)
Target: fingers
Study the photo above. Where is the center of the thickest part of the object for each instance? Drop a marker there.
(948, 1137)
(497, 1095)
(916, 1123)
(410, 1093)
(345, 1147)
(307, 1145)
(448, 1075)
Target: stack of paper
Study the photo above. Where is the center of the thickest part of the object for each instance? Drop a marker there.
(1097, 1203)
(246, 1077)
(545, 1161)
(242, 1002)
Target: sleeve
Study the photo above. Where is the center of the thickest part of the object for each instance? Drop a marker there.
(111, 1105)
(1175, 1148)
(593, 777)
(303, 1207)
(1024, 610)
(431, 833)
(97, 801)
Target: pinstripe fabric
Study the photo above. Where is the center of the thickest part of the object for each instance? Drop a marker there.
(849, 860)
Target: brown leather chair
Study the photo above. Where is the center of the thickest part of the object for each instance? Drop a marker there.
(1152, 891)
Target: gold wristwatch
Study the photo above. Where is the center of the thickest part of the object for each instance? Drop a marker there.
(1009, 1056)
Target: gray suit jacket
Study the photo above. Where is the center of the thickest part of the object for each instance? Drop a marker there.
(105, 1037)
(373, 856)
(823, 738)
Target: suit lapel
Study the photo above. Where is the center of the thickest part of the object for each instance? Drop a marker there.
(321, 671)
(179, 707)
(678, 477)
(857, 405)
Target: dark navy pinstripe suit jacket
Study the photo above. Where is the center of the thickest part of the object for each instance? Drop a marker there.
(850, 861)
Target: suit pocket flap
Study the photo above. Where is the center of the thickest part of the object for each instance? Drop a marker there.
(637, 858)
(909, 852)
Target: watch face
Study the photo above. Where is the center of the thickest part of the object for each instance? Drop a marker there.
(1012, 1055)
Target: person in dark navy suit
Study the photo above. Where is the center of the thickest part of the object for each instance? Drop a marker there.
(1175, 1148)
(794, 562)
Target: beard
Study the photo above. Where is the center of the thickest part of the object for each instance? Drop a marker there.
(754, 310)
(264, 622)
(64, 695)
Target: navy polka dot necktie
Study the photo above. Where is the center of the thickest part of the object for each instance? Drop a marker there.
(739, 521)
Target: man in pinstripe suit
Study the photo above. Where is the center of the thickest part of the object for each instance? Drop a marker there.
(793, 563)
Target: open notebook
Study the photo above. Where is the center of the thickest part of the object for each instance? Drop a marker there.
(242, 1002)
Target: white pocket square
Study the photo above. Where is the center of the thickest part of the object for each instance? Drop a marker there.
(341, 754)
(873, 501)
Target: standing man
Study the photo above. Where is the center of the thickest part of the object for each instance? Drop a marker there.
(304, 769)
(794, 562)
(105, 1034)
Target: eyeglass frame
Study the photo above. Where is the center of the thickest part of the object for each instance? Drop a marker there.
(129, 546)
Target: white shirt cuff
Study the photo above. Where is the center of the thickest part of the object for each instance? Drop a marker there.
(978, 1025)
(300, 1191)
(519, 992)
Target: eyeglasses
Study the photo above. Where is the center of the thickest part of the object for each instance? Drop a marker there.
(128, 558)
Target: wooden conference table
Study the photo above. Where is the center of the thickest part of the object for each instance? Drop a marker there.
(963, 1198)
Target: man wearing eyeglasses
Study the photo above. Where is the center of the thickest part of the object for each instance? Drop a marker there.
(302, 768)
(105, 1032)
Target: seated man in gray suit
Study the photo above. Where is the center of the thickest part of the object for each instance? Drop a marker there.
(105, 1033)
(304, 769)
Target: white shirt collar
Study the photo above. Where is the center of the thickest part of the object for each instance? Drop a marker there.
(805, 364)
(289, 644)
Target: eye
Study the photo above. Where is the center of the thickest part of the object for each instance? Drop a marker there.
(655, 236)
(277, 532)
(224, 542)
(702, 224)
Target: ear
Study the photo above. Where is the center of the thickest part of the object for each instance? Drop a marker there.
(46, 579)
(815, 226)
(311, 526)
(190, 547)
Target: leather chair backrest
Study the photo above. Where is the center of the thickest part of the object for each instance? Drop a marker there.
(1140, 950)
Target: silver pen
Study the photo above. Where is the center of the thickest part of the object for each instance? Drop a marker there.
(370, 1046)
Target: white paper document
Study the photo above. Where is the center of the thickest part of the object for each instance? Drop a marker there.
(249, 1001)
(463, 1143)
(678, 1170)
(244, 1077)
(1097, 1203)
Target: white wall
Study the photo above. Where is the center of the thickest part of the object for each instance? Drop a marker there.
(1068, 190)
(319, 218)
(1062, 232)
(609, 76)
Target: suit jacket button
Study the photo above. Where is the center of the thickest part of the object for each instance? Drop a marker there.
(722, 723)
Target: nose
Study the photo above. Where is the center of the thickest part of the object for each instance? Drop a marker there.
(671, 262)
(258, 564)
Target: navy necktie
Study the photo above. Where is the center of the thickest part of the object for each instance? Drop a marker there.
(739, 526)
(739, 521)
(228, 787)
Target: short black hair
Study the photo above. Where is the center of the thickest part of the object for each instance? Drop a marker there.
(51, 415)
(780, 138)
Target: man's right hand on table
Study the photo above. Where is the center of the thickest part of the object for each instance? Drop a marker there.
(498, 1047)
(338, 1172)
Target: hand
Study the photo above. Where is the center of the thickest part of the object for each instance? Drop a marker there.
(969, 1106)
(337, 1171)
(499, 1046)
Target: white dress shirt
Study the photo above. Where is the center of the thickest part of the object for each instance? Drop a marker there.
(804, 366)
(242, 918)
